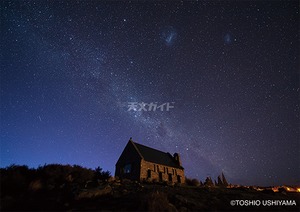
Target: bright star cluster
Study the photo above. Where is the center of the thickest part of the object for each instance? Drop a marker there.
(69, 70)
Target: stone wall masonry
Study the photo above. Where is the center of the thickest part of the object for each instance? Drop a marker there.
(168, 174)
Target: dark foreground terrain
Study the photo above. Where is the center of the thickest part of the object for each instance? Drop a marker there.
(134, 196)
(57, 187)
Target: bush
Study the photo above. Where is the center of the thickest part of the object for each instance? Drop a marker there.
(195, 182)
(16, 180)
(102, 175)
(208, 182)
(192, 182)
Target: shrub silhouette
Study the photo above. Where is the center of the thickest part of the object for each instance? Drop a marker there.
(225, 183)
(192, 182)
(17, 180)
(208, 182)
(101, 175)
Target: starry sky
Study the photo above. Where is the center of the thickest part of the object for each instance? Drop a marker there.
(229, 69)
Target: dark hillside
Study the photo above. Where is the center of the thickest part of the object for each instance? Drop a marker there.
(65, 187)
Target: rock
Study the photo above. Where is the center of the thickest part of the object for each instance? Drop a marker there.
(91, 184)
(35, 185)
(183, 209)
(181, 199)
(111, 179)
(126, 181)
(158, 201)
(116, 184)
(172, 207)
(93, 193)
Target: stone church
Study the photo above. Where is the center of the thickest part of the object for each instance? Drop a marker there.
(139, 162)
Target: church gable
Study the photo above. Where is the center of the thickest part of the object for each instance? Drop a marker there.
(128, 165)
(139, 162)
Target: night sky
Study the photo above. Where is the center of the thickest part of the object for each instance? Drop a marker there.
(228, 70)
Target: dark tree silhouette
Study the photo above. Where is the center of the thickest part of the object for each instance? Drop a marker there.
(101, 175)
(225, 183)
(208, 182)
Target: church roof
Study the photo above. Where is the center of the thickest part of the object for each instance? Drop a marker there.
(155, 156)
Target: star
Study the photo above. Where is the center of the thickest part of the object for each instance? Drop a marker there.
(69, 72)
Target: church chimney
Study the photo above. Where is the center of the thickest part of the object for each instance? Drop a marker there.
(177, 159)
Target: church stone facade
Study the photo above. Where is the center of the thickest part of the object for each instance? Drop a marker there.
(139, 162)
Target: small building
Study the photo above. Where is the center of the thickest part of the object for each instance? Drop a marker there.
(139, 162)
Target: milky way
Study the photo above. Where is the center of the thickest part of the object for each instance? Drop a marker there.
(69, 70)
